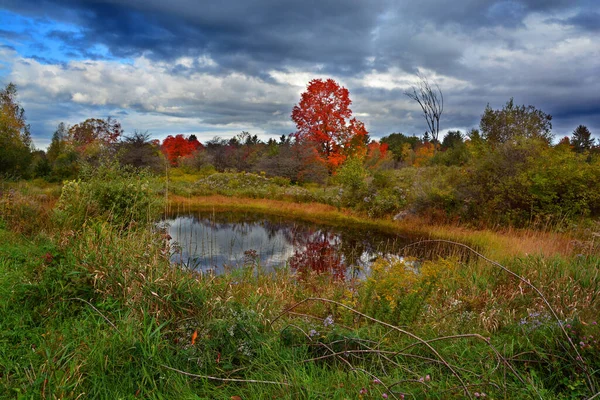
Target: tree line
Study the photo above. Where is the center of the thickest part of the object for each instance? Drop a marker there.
(510, 163)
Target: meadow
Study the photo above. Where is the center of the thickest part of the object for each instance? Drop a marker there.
(92, 307)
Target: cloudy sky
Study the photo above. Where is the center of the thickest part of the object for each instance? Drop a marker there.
(220, 67)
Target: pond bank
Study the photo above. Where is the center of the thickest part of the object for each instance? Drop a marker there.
(498, 244)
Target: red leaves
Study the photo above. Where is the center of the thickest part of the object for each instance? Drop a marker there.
(177, 147)
(323, 117)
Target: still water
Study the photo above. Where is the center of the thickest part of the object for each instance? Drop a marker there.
(215, 242)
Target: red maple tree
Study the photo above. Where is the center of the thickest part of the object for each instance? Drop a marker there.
(323, 118)
(177, 147)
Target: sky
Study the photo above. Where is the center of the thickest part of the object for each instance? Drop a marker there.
(216, 68)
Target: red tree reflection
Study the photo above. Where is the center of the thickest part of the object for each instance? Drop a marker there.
(319, 256)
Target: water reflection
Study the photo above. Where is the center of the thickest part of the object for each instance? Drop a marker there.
(218, 241)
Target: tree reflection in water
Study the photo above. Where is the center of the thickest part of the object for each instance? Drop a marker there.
(214, 240)
(317, 254)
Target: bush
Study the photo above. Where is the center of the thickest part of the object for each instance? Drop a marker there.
(351, 176)
(119, 195)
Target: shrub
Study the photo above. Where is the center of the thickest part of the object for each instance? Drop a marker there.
(119, 195)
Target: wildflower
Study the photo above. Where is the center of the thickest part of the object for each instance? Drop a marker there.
(421, 379)
(385, 396)
(328, 321)
(476, 394)
(376, 381)
(363, 391)
(427, 378)
(594, 323)
(312, 333)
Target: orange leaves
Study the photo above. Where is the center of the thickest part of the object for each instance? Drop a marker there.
(323, 118)
(194, 337)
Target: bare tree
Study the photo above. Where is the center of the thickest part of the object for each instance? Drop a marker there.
(431, 101)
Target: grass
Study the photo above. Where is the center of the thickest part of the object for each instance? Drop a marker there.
(98, 311)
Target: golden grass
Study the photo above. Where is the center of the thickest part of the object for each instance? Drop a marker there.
(496, 244)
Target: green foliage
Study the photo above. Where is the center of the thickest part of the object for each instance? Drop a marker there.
(397, 142)
(120, 195)
(452, 139)
(351, 176)
(582, 139)
(527, 181)
(15, 140)
(456, 155)
(512, 122)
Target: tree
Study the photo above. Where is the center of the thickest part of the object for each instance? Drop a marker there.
(378, 156)
(581, 139)
(396, 144)
(94, 138)
(323, 118)
(106, 131)
(57, 145)
(139, 151)
(15, 140)
(176, 147)
(452, 139)
(431, 101)
(512, 122)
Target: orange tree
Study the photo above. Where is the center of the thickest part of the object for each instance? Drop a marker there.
(177, 147)
(324, 120)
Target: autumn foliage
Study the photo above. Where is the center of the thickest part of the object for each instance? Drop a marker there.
(323, 119)
(177, 147)
(103, 132)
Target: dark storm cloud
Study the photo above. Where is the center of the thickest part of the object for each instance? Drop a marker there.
(240, 35)
(257, 36)
(589, 21)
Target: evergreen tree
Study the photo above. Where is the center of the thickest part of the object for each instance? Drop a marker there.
(582, 140)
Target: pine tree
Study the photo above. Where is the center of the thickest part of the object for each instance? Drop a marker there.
(582, 140)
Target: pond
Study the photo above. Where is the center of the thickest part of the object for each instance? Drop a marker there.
(216, 242)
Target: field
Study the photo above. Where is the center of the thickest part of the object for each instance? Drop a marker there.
(91, 306)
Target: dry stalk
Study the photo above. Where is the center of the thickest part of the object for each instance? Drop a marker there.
(98, 311)
(214, 378)
(405, 332)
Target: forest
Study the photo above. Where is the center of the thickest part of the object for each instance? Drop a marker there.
(498, 298)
